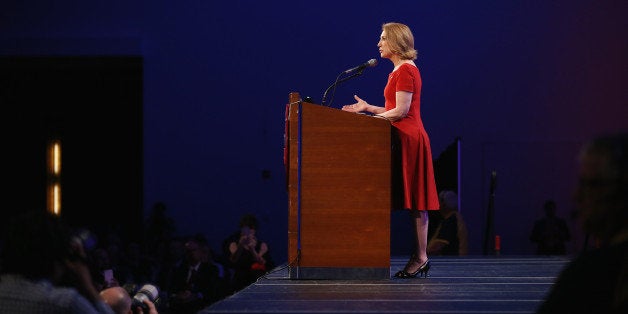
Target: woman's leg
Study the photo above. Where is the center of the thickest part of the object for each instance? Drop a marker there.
(418, 264)
(421, 220)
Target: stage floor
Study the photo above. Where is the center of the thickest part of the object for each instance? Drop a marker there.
(495, 284)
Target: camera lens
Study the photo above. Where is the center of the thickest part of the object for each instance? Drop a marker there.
(147, 292)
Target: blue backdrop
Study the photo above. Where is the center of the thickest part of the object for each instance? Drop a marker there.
(523, 83)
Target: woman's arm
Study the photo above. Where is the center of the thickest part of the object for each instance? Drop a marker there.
(404, 99)
(362, 105)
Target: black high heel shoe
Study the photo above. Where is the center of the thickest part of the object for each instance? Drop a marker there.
(421, 271)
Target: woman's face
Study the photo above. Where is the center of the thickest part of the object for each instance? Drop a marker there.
(384, 49)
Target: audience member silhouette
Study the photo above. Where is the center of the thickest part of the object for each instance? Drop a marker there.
(172, 260)
(194, 282)
(451, 236)
(551, 232)
(159, 230)
(248, 256)
(136, 266)
(38, 256)
(596, 281)
(223, 285)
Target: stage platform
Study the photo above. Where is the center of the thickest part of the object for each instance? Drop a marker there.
(495, 284)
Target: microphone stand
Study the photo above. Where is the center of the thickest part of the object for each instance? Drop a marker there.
(338, 81)
(488, 232)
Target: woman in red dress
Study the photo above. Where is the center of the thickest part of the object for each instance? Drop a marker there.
(402, 107)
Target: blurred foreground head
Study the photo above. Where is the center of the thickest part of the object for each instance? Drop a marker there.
(118, 299)
(602, 192)
(34, 243)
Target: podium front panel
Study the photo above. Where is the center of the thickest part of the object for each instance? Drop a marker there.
(339, 193)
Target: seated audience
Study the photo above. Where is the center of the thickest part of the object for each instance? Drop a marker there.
(194, 282)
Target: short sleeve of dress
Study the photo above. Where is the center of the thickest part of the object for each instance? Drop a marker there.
(405, 79)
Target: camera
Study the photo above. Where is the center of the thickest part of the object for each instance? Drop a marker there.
(86, 238)
(246, 231)
(147, 292)
(80, 243)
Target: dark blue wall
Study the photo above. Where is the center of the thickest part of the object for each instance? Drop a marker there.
(523, 83)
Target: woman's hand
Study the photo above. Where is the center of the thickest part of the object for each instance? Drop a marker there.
(359, 106)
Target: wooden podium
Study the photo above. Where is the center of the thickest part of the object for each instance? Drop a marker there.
(339, 178)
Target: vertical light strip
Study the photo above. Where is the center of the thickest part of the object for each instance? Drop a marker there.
(56, 158)
(54, 177)
(57, 199)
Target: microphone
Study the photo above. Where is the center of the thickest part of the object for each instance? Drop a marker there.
(356, 71)
(367, 64)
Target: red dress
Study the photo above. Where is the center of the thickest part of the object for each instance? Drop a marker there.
(412, 150)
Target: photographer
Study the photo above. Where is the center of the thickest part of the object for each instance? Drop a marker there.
(38, 258)
(248, 256)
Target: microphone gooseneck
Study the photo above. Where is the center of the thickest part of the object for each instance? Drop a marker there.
(355, 71)
(367, 64)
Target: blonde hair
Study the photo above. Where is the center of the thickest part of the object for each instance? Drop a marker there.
(400, 40)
